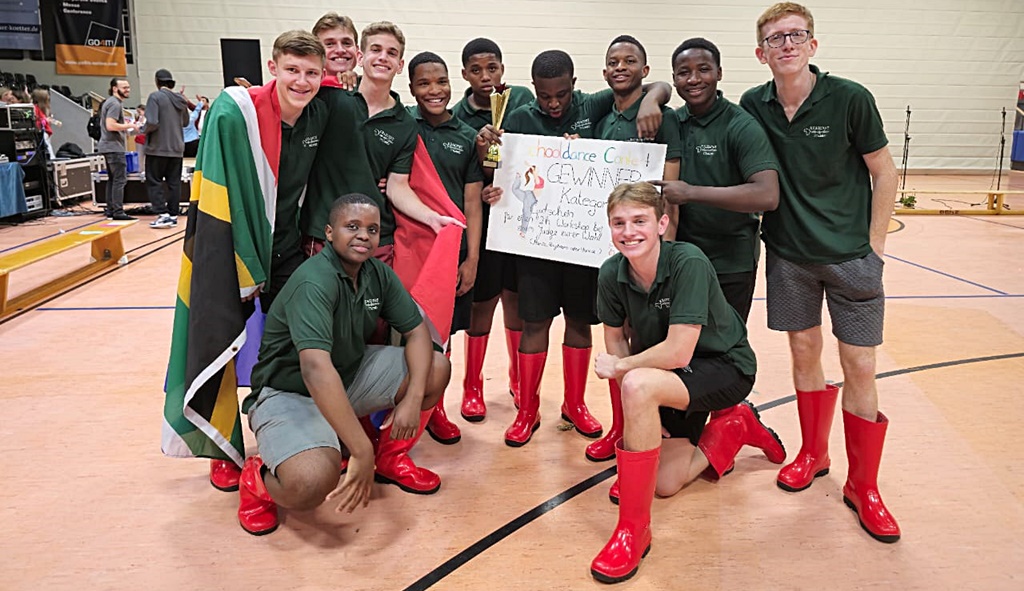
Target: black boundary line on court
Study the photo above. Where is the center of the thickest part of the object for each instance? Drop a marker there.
(101, 275)
(1004, 224)
(492, 539)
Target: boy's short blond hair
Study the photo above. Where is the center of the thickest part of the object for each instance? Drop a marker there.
(642, 194)
(300, 43)
(384, 28)
(333, 20)
(783, 9)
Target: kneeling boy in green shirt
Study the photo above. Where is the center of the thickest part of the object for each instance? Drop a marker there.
(316, 375)
(693, 356)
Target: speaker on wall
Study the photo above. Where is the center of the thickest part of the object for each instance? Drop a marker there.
(240, 58)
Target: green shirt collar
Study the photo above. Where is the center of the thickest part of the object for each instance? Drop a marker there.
(569, 113)
(451, 123)
(819, 92)
(630, 113)
(335, 260)
(397, 111)
(659, 277)
(468, 106)
(721, 103)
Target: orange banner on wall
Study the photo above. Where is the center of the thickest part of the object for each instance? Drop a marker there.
(91, 61)
(89, 37)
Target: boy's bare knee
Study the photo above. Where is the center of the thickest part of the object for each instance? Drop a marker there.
(636, 390)
(437, 381)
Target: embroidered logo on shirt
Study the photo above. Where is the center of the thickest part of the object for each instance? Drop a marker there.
(311, 141)
(663, 303)
(581, 124)
(707, 149)
(371, 303)
(386, 138)
(454, 148)
(816, 131)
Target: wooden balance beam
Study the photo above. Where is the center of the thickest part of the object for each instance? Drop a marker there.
(107, 251)
(994, 200)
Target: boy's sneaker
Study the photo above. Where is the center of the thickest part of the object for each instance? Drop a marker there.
(163, 221)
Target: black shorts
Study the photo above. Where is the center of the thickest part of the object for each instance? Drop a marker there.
(496, 272)
(714, 384)
(738, 289)
(547, 288)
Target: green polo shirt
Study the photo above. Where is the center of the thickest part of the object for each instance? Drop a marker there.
(341, 166)
(477, 118)
(723, 148)
(390, 138)
(685, 291)
(824, 212)
(621, 126)
(580, 118)
(321, 308)
(299, 148)
(452, 148)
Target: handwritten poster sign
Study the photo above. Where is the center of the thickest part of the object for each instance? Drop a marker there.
(556, 191)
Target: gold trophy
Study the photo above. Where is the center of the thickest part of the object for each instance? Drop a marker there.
(499, 99)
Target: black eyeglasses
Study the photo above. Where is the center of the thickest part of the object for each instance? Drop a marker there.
(779, 39)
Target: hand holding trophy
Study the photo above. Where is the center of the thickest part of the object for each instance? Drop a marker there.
(499, 100)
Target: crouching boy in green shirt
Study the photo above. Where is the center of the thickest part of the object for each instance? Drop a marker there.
(693, 356)
(316, 375)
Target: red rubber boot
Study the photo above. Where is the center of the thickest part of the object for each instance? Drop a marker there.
(620, 558)
(531, 367)
(473, 408)
(604, 449)
(864, 441)
(816, 410)
(440, 427)
(224, 475)
(575, 367)
(758, 434)
(512, 338)
(257, 512)
(721, 441)
(394, 466)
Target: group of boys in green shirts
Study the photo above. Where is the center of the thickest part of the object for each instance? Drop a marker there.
(722, 171)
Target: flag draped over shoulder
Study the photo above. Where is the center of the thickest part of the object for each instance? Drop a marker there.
(428, 263)
(226, 257)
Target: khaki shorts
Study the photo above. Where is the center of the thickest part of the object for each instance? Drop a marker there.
(288, 423)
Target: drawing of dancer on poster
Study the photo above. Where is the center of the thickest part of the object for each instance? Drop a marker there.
(525, 188)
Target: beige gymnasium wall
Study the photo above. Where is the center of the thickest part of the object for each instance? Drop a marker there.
(956, 63)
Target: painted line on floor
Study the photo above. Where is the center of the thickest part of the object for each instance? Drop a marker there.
(47, 236)
(492, 539)
(944, 274)
(102, 274)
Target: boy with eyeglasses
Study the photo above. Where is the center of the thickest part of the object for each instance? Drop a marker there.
(838, 189)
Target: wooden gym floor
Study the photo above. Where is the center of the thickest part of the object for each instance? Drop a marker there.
(89, 502)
